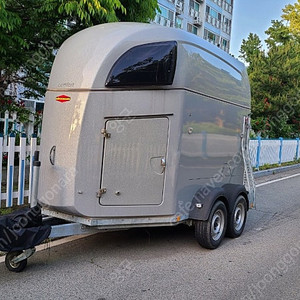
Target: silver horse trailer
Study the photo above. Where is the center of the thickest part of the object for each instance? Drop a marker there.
(147, 126)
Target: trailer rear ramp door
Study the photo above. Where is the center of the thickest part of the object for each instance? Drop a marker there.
(133, 164)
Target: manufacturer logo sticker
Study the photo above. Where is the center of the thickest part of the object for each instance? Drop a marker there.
(63, 98)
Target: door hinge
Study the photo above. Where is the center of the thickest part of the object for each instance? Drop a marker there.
(105, 133)
(100, 192)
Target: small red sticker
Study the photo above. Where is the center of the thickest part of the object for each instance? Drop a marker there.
(63, 98)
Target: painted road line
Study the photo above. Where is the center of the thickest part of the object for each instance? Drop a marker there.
(277, 180)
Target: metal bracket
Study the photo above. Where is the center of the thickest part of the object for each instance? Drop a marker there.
(105, 133)
(26, 254)
(70, 229)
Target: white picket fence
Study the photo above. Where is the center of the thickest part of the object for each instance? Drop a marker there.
(16, 168)
(17, 163)
(11, 124)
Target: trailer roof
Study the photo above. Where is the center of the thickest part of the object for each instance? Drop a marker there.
(85, 59)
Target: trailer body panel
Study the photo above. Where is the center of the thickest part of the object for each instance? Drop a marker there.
(141, 150)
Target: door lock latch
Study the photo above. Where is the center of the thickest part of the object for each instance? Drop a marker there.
(100, 192)
(163, 164)
(105, 133)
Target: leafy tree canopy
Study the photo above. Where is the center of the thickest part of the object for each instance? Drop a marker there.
(31, 31)
(291, 13)
(251, 48)
(274, 78)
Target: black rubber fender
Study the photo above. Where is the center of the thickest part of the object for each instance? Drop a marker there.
(232, 191)
(202, 203)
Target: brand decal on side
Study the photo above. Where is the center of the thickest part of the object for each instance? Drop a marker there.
(63, 98)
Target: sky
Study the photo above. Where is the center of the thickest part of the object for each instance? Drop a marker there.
(254, 16)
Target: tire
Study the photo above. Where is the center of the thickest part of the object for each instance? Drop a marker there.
(209, 234)
(15, 267)
(237, 219)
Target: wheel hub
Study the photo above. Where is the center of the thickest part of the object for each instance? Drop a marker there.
(217, 226)
(239, 217)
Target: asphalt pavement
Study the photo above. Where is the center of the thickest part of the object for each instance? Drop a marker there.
(167, 263)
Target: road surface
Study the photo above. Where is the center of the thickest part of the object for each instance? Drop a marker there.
(167, 263)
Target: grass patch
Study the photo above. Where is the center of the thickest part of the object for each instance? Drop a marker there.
(272, 166)
(8, 210)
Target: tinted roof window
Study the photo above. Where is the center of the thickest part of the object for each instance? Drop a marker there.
(148, 64)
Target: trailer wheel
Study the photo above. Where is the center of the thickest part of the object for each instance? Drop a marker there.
(237, 219)
(209, 234)
(15, 267)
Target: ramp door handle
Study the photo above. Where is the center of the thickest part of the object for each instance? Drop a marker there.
(52, 155)
(163, 164)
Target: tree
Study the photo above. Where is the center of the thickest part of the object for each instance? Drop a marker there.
(274, 86)
(251, 48)
(138, 10)
(279, 34)
(274, 78)
(292, 15)
(31, 31)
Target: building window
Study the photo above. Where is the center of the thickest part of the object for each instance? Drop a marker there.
(193, 29)
(211, 37)
(165, 17)
(226, 26)
(179, 5)
(227, 5)
(213, 17)
(218, 2)
(224, 45)
(211, 12)
(194, 9)
(178, 23)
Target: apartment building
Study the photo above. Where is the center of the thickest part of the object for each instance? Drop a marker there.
(209, 19)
